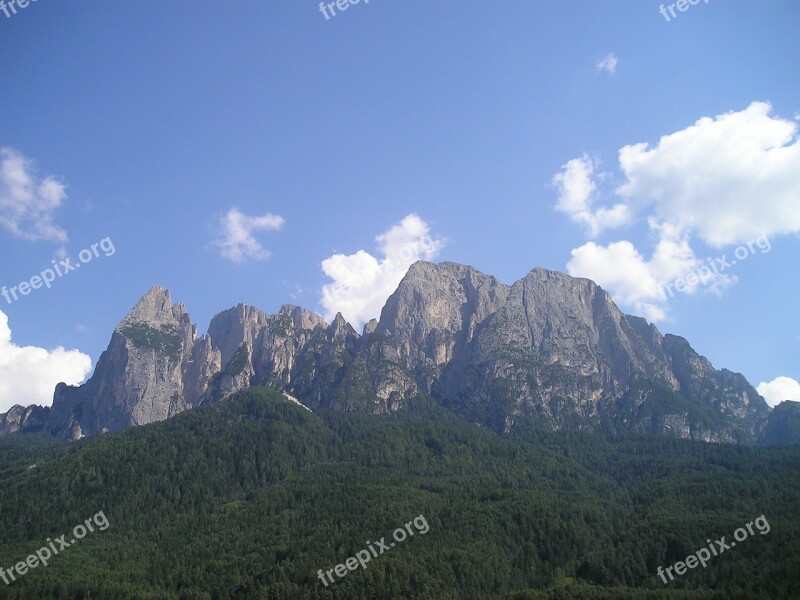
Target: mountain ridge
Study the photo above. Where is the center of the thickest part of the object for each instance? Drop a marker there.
(550, 349)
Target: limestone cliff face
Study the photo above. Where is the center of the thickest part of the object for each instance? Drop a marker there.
(153, 368)
(237, 375)
(21, 419)
(557, 349)
(294, 350)
(550, 350)
(156, 367)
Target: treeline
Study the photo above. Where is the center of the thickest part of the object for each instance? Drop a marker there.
(249, 498)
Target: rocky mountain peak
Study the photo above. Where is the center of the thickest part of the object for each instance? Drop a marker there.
(340, 327)
(155, 307)
(370, 327)
(230, 328)
(302, 318)
(439, 297)
(153, 369)
(21, 419)
(550, 349)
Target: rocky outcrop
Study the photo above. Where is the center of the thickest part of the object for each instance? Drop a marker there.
(550, 350)
(21, 419)
(782, 426)
(237, 376)
(153, 368)
(294, 350)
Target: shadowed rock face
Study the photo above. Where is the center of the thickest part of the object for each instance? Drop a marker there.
(783, 425)
(20, 419)
(550, 349)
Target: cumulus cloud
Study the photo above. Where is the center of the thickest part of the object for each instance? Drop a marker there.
(734, 178)
(27, 203)
(726, 179)
(779, 389)
(28, 375)
(237, 243)
(608, 64)
(576, 191)
(644, 284)
(362, 282)
(620, 269)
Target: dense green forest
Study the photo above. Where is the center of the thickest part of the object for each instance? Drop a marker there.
(250, 497)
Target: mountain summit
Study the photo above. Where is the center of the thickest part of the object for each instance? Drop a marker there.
(549, 350)
(154, 368)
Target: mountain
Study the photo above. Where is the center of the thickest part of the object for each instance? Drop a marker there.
(20, 419)
(154, 368)
(554, 349)
(550, 351)
(783, 426)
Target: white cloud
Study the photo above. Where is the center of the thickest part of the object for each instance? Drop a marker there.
(608, 63)
(620, 269)
(643, 284)
(725, 180)
(576, 192)
(28, 375)
(729, 179)
(28, 204)
(237, 243)
(779, 389)
(362, 283)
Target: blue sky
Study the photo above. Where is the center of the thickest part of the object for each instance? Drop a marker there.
(258, 152)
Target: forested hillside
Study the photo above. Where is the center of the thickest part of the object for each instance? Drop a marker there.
(249, 498)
